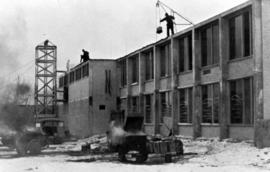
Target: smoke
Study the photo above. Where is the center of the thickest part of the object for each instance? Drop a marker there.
(117, 133)
(14, 115)
(5, 130)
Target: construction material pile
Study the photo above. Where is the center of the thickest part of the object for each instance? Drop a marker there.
(97, 144)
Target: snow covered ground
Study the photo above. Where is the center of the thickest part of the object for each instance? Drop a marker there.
(205, 155)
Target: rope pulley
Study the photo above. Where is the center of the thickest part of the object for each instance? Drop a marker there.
(164, 6)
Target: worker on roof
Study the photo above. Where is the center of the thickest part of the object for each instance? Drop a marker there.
(85, 56)
(46, 42)
(169, 19)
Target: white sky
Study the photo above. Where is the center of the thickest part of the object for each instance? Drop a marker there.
(106, 28)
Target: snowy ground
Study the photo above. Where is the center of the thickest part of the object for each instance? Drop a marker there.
(206, 155)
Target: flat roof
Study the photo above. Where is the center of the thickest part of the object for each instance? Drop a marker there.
(186, 30)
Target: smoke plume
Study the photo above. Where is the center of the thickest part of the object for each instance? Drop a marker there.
(117, 133)
(14, 115)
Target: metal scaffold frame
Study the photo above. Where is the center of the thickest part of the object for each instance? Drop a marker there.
(45, 80)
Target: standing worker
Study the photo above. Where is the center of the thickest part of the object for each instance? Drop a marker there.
(169, 19)
(85, 56)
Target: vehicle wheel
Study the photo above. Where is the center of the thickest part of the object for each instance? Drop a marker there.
(142, 157)
(168, 158)
(122, 154)
(34, 147)
(20, 148)
(179, 147)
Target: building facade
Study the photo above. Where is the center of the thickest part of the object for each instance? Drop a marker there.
(90, 91)
(208, 80)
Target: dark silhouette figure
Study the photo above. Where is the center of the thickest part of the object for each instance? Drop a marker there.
(85, 56)
(169, 19)
(46, 42)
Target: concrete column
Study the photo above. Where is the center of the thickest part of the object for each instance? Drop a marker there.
(156, 110)
(128, 87)
(265, 15)
(224, 92)
(197, 87)
(261, 53)
(141, 82)
(257, 52)
(174, 84)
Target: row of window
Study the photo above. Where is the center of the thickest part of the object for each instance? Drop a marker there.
(240, 103)
(79, 73)
(239, 45)
(63, 81)
(74, 75)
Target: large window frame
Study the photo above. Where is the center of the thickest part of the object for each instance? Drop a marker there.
(149, 65)
(135, 104)
(209, 42)
(185, 53)
(210, 103)
(85, 70)
(165, 60)
(148, 109)
(240, 34)
(71, 77)
(123, 72)
(244, 99)
(134, 69)
(185, 107)
(78, 74)
(165, 105)
(61, 81)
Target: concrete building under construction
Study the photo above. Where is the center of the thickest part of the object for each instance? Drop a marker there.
(209, 80)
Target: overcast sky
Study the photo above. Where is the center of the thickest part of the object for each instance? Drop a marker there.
(106, 28)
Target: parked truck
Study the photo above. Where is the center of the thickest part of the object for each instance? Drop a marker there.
(136, 144)
(30, 141)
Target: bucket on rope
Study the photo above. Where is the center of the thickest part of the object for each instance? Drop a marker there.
(159, 30)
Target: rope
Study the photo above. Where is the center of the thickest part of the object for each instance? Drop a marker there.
(174, 12)
(163, 8)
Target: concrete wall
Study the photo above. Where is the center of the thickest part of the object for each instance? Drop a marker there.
(63, 114)
(79, 90)
(185, 80)
(262, 134)
(78, 117)
(209, 131)
(123, 92)
(241, 132)
(100, 118)
(214, 75)
(165, 83)
(134, 90)
(149, 87)
(240, 68)
(185, 130)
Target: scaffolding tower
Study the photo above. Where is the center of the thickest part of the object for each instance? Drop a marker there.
(45, 81)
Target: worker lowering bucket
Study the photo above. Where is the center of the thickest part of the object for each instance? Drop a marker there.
(159, 30)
